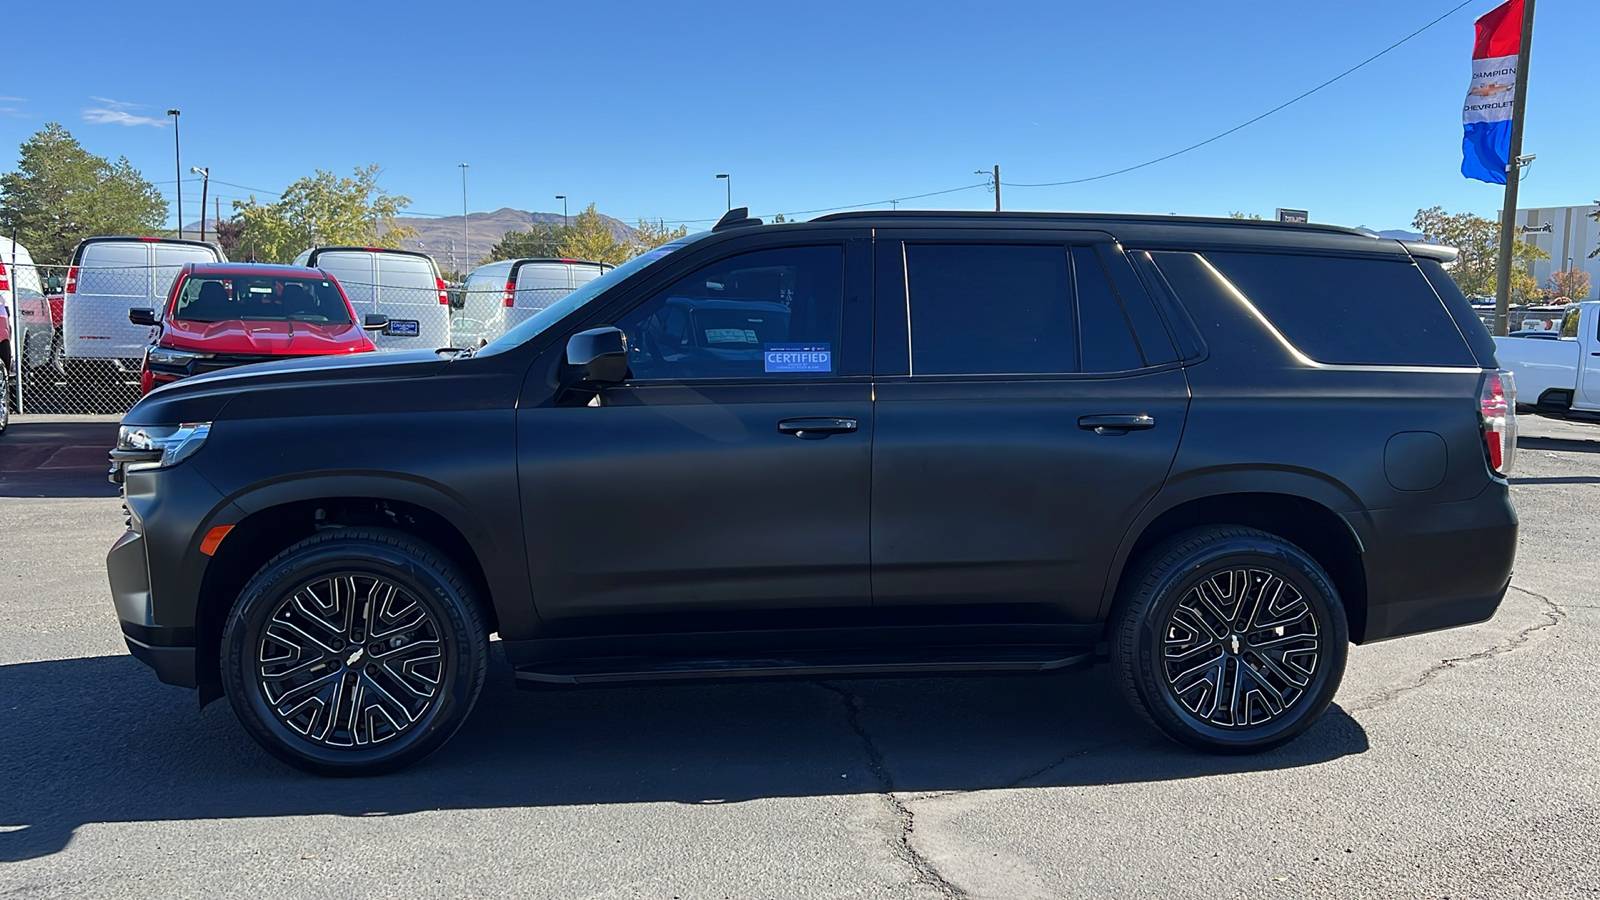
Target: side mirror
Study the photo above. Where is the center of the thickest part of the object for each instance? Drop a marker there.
(142, 316)
(375, 322)
(599, 355)
(52, 285)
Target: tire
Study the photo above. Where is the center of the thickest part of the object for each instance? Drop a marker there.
(297, 642)
(1193, 655)
(5, 400)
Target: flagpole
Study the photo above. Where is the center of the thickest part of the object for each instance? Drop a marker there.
(1508, 214)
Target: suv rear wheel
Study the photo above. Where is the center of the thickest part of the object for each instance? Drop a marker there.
(357, 651)
(1231, 640)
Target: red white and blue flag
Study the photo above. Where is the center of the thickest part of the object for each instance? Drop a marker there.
(1486, 147)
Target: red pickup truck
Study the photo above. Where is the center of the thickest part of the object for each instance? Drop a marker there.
(220, 315)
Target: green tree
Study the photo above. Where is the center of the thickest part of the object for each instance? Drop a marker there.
(542, 241)
(1478, 241)
(590, 237)
(230, 237)
(650, 235)
(61, 193)
(323, 210)
(1239, 215)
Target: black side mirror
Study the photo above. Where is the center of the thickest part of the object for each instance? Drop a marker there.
(599, 355)
(142, 316)
(375, 322)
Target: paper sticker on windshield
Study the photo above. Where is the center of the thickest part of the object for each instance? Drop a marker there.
(403, 328)
(799, 357)
(731, 336)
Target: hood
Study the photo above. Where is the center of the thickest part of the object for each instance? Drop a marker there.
(264, 338)
(200, 398)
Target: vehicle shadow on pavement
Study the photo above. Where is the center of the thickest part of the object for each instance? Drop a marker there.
(99, 740)
(55, 458)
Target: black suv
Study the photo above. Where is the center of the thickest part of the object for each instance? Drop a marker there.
(888, 443)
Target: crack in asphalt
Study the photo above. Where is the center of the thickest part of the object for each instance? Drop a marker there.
(923, 869)
(1553, 613)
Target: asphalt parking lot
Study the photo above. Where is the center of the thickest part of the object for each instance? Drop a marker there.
(1460, 764)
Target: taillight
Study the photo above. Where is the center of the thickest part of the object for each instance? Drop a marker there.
(1497, 403)
(72, 281)
(5, 280)
(444, 292)
(511, 294)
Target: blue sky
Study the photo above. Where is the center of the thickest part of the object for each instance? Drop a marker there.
(636, 107)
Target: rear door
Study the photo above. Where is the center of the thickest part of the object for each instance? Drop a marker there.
(356, 273)
(113, 277)
(1029, 404)
(728, 478)
(408, 291)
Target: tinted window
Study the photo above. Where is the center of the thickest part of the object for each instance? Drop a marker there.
(1106, 336)
(260, 298)
(768, 313)
(1460, 310)
(980, 309)
(1350, 311)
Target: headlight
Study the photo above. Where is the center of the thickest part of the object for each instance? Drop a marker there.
(167, 356)
(159, 446)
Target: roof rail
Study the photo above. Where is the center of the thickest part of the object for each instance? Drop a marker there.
(738, 217)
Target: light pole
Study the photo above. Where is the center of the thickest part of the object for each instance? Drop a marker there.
(466, 230)
(563, 199)
(177, 163)
(729, 179)
(205, 186)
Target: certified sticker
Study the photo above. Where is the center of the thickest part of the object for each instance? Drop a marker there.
(403, 328)
(799, 357)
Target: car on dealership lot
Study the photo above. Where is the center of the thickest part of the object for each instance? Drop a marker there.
(877, 443)
(403, 285)
(110, 276)
(32, 336)
(221, 315)
(499, 296)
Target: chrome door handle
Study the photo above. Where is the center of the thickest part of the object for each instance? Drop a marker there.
(815, 429)
(1118, 424)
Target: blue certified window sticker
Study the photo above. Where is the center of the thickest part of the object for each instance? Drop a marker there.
(799, 357)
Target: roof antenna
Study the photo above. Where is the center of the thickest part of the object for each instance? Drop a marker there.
(738, 217)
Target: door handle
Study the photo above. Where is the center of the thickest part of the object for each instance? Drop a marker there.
(1119, 424)
(815, 429)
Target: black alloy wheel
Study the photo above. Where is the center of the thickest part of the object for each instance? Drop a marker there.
(1231, 640)
(355, 652)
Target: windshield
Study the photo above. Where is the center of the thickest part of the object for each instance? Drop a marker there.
(560, 309)
(261, 298)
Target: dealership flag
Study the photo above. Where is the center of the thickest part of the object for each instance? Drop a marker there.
(1486, 148)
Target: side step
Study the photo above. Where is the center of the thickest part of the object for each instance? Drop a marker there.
(806, 664)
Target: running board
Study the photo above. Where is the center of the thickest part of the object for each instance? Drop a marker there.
(806, 664)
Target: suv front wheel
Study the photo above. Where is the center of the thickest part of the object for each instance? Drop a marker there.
(356, 651)
(1231, 640)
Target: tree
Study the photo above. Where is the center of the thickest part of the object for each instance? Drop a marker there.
(1239, 215)
(590, 237)
(1478, 241)
(650, 235)
(230, 237)
(1572, 284)
(542, 241)
(323, 210)
(61, 193)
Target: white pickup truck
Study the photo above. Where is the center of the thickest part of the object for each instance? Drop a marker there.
(1559, 371)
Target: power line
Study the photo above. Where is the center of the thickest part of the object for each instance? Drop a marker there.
(1242, 125)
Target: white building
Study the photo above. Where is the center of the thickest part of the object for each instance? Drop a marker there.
(1569, 234)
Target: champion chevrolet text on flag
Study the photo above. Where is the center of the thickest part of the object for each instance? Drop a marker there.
(1486, 147)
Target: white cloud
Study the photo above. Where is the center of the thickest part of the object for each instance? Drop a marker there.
(116, 104)
(13, 99)
(99, 116)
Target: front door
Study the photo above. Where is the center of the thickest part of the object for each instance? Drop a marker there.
(728, 478)
(1023, 420)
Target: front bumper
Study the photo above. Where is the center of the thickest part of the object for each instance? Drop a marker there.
(168, 650)
(1438, 565)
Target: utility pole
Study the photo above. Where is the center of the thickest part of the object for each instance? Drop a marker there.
(1508, 215)
(205, 187)
(729, 179)
(216, 220)
(996, 187)
(177, 163)
(563, 199)
(466, 230)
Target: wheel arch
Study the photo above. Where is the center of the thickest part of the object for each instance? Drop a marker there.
(281, 515)
(1309, 523)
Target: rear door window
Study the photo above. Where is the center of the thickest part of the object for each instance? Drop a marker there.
(171, 258)
(115, 268)
(990, 309)
(1350, 311)
(354, 272)
(541, 284)
(1107, 335)
(404, 279)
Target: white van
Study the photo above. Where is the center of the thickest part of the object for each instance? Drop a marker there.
(498, 296)
(401, 284)
(32, 332)
(108, 277)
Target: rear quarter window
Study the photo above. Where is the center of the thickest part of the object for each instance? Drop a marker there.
(1349, 311)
